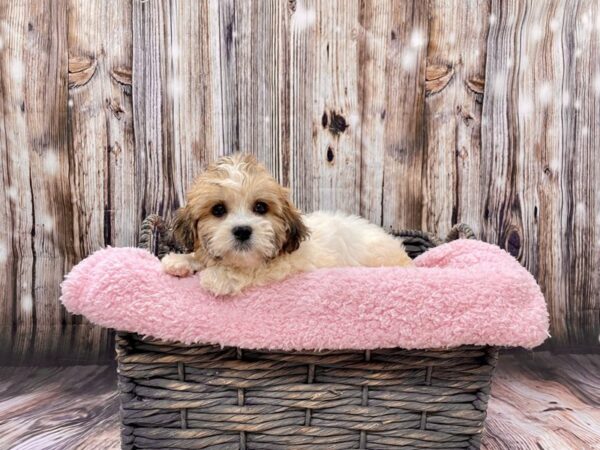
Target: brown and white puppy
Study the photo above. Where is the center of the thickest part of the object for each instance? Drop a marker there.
(245, 232)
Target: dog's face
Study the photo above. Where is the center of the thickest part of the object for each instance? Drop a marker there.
(238, 215)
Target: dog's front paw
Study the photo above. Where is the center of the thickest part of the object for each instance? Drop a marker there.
(220, 281)
(177, 264)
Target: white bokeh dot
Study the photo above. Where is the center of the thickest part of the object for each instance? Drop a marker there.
(47, 221)
(26, 303)
(545, 93)
(3, 252)
(303, 17)
(417, 39)
(17, 70)
(537, 32)
(50, 162)
(175, 87)
(525, 106)
(11, 192)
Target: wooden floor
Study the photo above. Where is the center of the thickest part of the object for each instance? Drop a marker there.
(540, 402)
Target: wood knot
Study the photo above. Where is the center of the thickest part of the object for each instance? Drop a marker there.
(115, 108)
(81, 70)
(122, 75)
(437, 77)
(330, 154)
(476, 84)
(337, 124)
(513, 243)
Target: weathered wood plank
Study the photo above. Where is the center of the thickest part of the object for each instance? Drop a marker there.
(454, 92)
(152, 120)
(253, 74)
(538, 141)
(325, 122)
(375, 55)
(404, 131)
(101, 142)
(37, 229)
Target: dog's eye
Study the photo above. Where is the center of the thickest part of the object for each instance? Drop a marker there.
(218, 210)
(260, 208)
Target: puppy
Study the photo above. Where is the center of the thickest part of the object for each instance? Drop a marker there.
(244, 231)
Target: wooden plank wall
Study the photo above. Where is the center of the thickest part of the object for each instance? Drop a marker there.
(413, 114)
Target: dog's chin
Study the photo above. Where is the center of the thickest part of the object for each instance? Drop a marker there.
(243, 256)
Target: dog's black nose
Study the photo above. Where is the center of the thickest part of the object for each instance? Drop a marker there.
(242, 233)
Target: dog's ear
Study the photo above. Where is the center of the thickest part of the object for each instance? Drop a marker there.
(296, 231)
(184, 228)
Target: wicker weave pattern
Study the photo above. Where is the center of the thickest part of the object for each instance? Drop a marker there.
(203, 396)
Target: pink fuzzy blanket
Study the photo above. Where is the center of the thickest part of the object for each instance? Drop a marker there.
(464, 292)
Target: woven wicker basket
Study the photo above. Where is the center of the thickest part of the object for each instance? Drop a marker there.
(207, 397)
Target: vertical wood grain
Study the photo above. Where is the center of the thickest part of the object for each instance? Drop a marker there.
(152, 111)
(101, 144)
(37, 207)
(404, 130)
(325, 115)
(540, 122)
(253, 73)
(454, 93)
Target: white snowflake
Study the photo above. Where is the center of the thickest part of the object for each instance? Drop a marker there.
(585, 130)
(3, 252)
(509, 62)
(50, 162)
(12, 192)
(26, 303)
(409, 59)
(580, 210)
(452, 38)
(175, 50)
(586, 22)
(303, 17)
(493, 19)
(554, 24)
(577, 105)
(175, 87)
(537, 32)
(566, 98)
(47, 221)
(70, 103)
(596, 84)
(545, 93)
(554, 165)
(17, 70)
(267, 119)
(417, 39)
(499, 83)
(525, 106)
(353, 120)
(577, 52)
